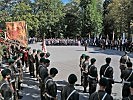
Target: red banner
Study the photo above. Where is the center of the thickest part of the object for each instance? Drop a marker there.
(17, 31)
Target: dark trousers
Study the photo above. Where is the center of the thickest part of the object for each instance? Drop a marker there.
(31, 69)
(125, 90)
(92, 86)
(109, 88)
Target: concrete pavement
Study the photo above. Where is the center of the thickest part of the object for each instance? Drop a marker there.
(66, 60)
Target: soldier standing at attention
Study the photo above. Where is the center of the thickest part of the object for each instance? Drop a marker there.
(50, 86)
(130, 97)
(92, 76)
(127, 76)
(68, 92)
(32, 62)
(124, 59)
(43, 73)
(84, 70)
(106, 71)
(101, 94)
(37, 59)
(82, 58)
(6, 91)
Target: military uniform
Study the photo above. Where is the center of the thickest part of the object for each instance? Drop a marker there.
(92, 78)
(106, 71)
(127, 75)
(130, 97)
(5, 90)
(100, 95)
(124, 59)
(69, 93)
(50, 89)
(84, 74)
(43, 73)
(37, 58)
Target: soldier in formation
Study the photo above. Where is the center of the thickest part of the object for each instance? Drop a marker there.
(69, 92)
(101, 94)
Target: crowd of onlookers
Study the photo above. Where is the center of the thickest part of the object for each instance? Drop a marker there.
(122, 45)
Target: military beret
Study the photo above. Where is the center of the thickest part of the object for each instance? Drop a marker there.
(47, 54)
(34, 50)
(93, 60)
(38, 51)
(28, 48)
(47, 61)
(20, 54)
(42, 54)
(131, 84)
(53, 71)
(87, 57)
(14, 57)
(42, 60)
(10, 60)
(5, 72)
(83, 55)
(103, 82)
(129, 64)
(72, 78)
(108, 59)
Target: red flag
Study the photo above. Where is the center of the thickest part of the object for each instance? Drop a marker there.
(44, 46)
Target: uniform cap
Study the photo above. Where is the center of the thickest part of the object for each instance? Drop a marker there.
(47, 54)
(42, 54)
(39, 51)
(93, 60)
(20, 54)
(72, 78)
(42, 60)
(28, 48)
(10, 60)
(83, 55)
(14, 57)
(103, 82)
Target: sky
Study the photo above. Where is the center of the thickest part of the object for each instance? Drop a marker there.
(65, 1)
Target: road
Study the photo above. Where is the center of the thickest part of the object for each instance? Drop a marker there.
(66, 60)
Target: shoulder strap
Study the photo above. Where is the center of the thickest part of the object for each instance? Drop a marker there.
(129, 75)
(71, 94)
(106, 70)
(47, 81)
(2, 85)
(104, 96)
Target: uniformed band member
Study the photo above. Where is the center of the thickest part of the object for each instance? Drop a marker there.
(127, 76)
(106, 71)
(130, 97)
(6, 92)
(92, 76)
(68, 92)
(84, 71)
(101, 94)
(43, 73)
(124, 59)
(50, 86)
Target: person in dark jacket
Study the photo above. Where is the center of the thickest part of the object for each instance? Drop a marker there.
(50, 89)
(130, 97)
(92, 76)
(106, 71)
(68, 92)
(101, 94)
(127, 76)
